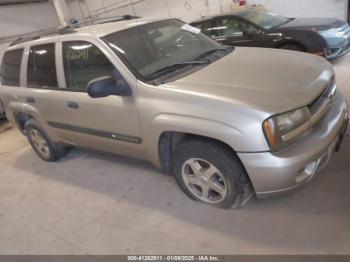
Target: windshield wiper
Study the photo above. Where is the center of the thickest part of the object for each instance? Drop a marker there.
(174, 67)
(216, 50)
(201, 60)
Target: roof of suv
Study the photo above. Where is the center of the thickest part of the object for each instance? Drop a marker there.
(104, 29)
(96, 30)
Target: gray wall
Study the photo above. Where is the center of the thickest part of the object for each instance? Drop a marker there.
(311, 8)
(176, 8)
(25, 18)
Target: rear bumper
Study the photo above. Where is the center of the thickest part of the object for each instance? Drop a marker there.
(277, 173)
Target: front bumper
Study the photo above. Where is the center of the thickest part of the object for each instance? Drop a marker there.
(340, 51)
(277, 173)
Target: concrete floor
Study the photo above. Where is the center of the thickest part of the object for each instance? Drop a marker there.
(92, 203)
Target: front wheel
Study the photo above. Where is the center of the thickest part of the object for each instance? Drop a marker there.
(210, 173)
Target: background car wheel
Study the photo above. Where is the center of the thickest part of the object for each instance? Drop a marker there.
(292, 47)
(41, 143)
(210, 173)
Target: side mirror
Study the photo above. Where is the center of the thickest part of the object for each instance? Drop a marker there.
(108, 86)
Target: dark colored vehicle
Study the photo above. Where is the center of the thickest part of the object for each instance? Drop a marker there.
(349, 11)
(328, 37)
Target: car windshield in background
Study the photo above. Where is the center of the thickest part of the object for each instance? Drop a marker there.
(162, 48)
(264, 19)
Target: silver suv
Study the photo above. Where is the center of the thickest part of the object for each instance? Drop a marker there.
(227, 122)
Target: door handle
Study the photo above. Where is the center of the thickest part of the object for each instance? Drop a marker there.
(73, 105)
(30, 99)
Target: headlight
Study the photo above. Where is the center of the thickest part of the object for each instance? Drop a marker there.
(325, 34)
(281, 130)
(332, 51)
(331, 33)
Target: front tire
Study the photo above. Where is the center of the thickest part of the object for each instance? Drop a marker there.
(208, 172)
(41, 143)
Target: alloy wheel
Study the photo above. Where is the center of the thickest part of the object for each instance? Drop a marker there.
(204, 180)
(40, 143)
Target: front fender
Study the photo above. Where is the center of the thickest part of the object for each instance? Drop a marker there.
(189, 125)
(310, 40)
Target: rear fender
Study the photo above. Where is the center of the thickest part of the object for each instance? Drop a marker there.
(32, 112)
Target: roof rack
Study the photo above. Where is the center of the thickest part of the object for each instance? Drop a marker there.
(59, 31)
(104, 20)
(71, 28)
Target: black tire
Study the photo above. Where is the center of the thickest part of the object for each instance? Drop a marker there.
(292, 47)
(2, 113)
(2, 116)
(239, 189)
(55, 151)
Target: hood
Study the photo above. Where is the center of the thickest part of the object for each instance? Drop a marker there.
(319, 24)
(274, 81)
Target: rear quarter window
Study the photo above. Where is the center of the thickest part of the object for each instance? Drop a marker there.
(11, 68)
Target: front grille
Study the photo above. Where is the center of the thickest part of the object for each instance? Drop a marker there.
(320, 100)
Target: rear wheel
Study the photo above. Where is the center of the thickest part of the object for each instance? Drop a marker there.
(41, 143)
(210, 173)
(2, 110)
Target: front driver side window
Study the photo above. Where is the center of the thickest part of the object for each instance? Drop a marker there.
(84, 62)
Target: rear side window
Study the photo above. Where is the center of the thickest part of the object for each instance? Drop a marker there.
(11, 68)
(41, 71)
(84, 62)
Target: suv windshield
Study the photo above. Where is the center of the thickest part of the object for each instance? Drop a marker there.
(264, 19)
(164, 48)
